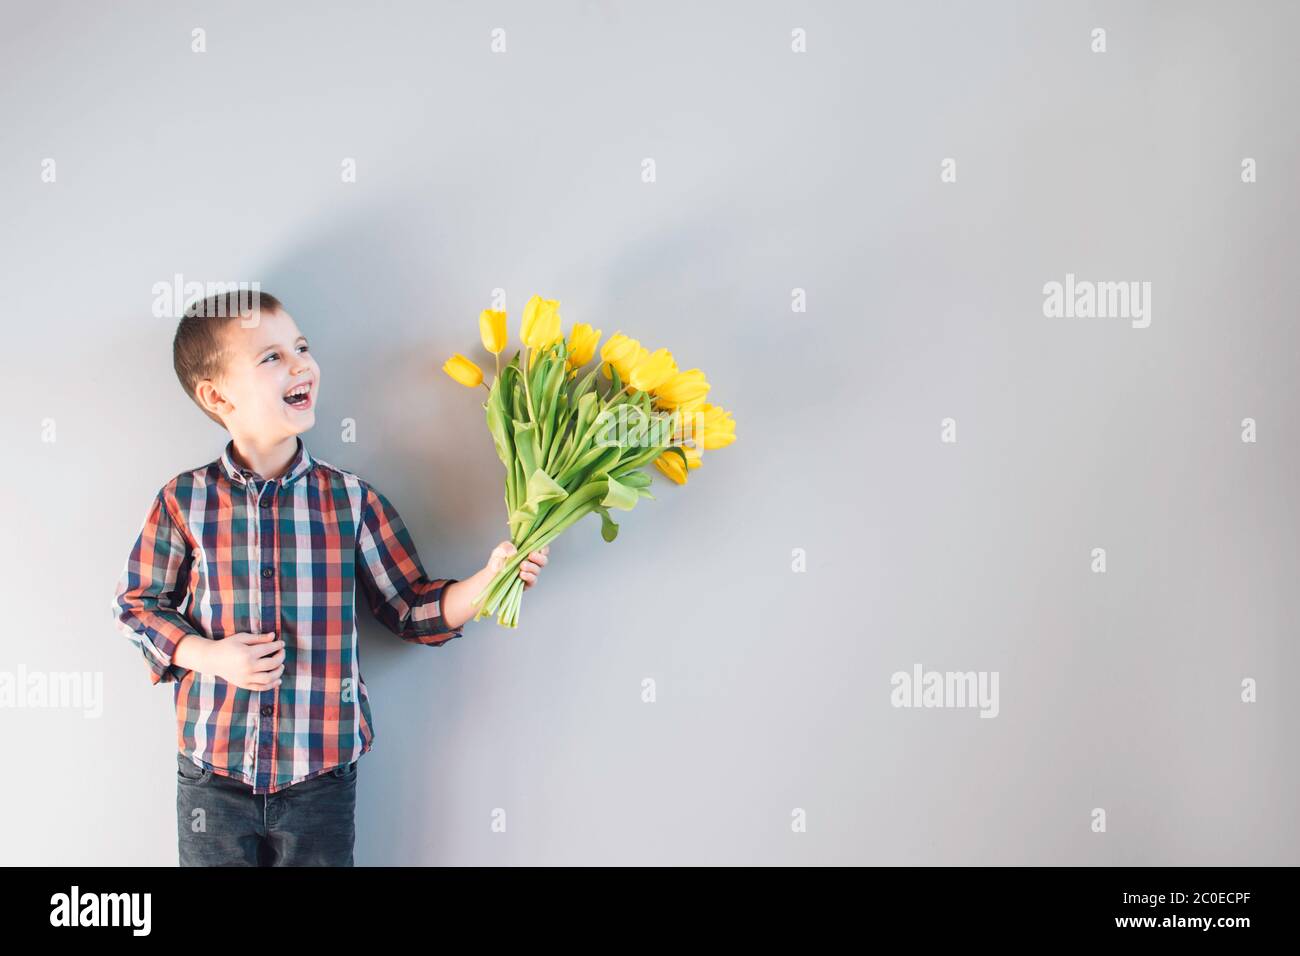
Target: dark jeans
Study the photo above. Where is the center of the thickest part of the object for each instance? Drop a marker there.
(221, 822)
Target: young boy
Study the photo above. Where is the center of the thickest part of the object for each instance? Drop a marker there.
(240, 592)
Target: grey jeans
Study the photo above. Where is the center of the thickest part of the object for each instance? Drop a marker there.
(221, 822)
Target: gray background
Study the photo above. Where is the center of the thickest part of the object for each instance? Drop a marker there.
(775, 171)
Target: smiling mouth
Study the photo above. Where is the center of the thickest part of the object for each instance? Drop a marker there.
(299, 397)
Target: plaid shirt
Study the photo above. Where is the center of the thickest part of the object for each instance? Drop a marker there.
(223, 550)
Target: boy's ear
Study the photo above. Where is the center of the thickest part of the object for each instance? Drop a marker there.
(211, 399)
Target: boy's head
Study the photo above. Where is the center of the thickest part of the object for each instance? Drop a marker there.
(238, 355)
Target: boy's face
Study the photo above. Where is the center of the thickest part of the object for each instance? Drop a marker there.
(265, 362)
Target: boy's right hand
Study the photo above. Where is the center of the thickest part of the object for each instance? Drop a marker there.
(251, 661)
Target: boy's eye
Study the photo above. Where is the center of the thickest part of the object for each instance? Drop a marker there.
(302, 348)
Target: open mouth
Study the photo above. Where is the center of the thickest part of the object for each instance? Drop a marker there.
(299, 396)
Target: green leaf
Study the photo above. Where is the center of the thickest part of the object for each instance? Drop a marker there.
(542, 488)
(559, 451)
(555, 378)
(526, 445)
(550, 405)
(535, 376)
(497, 424)
(635, 479)
(587, 410)
(563, 515)
(544, 425)
(579, 439)
(659, 439)
(608, 528)
(518, 487)
(583, 386)
(635, 425)
(606, 428)
(619, 496)
(594, 464)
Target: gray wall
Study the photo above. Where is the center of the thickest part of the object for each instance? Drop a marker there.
(775, 170)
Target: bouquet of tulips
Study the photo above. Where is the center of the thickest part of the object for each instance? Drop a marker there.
(569, 448)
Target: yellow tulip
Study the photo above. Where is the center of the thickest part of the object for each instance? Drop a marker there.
(623, 354)
(492, 328)
(688, 408)
(652, 371)
(708, 427)
(672, 466)
(541, 325)
(684, 390)
(582, 344)
(719, 429)
(642, 353)
(685, 430)
(463, 371)
(615, 345)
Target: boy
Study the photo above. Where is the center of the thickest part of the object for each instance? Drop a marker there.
(240, 592)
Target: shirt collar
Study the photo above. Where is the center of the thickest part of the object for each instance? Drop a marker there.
(298, 466)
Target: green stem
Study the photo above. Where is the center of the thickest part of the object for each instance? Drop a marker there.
(528, 372)
(610, 400)
(510, 617)
(581, 504)
(579, 447)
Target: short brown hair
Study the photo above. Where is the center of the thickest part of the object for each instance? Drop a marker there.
(199, 348)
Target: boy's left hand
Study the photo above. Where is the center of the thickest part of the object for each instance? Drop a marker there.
(528, 570)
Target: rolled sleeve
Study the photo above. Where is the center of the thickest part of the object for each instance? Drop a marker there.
(151, 589)
(403, 598)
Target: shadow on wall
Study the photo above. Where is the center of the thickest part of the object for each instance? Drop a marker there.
(369, 291)
(366, 289)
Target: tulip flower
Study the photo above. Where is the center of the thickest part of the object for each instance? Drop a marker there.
(463, 371)
(492, 329)
(673, 468)
(622, 354)
(685, 390)
(541, 325)
(571, 447)
(653, 370)
(719, 428)
(582, 344)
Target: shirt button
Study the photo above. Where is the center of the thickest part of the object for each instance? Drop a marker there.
(266, 502)
(267, 572)
(267, 710)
